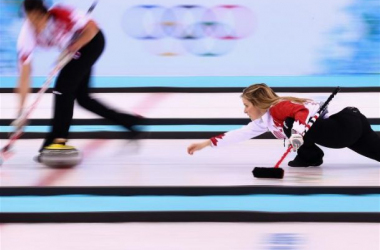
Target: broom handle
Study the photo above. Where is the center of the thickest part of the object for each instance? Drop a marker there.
(310, 123)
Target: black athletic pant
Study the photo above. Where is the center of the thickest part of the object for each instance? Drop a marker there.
(348, 128)
(73, 83)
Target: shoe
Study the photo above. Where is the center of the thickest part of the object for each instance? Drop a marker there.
(136, 132)
(297, 162)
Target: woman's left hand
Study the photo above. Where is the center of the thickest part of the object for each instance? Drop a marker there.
(296, 140)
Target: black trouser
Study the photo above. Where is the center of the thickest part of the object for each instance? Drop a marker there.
(73, 83)
(348, 128)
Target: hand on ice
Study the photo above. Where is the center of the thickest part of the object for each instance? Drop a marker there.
(197, 146)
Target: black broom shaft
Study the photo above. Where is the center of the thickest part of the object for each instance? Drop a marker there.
(314, 118)
(324, 106)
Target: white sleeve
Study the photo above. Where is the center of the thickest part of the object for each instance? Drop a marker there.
(247, 132)
(26, 43)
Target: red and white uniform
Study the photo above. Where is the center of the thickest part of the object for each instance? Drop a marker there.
(59, 31)
(272, 121)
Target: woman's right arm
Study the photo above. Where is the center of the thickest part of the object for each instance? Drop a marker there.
(25, 46)
(23, 87)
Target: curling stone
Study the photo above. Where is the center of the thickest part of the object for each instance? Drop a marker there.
(60, 156)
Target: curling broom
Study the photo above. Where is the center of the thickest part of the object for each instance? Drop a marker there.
(278, 173)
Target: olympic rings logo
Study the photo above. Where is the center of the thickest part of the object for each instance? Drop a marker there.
(191, 29)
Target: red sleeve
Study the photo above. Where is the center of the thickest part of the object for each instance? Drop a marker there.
(285, 109)
(214, 140)
(64, 15)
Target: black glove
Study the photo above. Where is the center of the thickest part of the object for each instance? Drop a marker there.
(287, 126)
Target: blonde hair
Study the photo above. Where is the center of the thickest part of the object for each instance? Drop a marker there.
(263, 97)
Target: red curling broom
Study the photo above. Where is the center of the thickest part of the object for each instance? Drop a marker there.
(278, 173)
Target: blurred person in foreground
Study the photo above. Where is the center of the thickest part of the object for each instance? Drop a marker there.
(72, 32)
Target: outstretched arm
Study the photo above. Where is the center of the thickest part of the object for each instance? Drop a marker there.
(247, 132)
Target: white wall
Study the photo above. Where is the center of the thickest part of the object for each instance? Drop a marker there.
(286, 38)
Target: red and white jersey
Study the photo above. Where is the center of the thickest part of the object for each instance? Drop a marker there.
(63, 23)
(272, 121)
